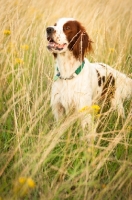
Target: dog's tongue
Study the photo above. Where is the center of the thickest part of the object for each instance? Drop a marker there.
(55, 45)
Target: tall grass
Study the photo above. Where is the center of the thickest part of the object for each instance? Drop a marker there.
(40, 159)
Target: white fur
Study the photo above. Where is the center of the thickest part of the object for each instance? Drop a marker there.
(83, 90)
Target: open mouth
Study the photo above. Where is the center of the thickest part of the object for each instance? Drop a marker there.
(53, 45)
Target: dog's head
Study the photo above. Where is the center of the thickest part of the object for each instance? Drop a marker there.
(68, 34)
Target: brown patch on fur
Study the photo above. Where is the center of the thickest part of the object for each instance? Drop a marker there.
(109, 87)
(99, 78)
(78, 39)
(103, 79)
(55, 55)
(102, 65)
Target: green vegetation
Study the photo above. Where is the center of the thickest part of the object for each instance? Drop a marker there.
(40, 159)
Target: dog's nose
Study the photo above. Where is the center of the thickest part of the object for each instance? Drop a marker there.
(49, 30)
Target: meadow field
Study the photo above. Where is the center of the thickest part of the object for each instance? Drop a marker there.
(39, 158)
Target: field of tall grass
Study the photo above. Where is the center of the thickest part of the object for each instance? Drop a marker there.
(39, 158)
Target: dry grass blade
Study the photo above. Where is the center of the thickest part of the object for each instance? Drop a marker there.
(41, 159)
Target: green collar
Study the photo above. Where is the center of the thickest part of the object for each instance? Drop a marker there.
(78, 70)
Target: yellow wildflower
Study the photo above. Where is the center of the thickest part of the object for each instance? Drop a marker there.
(30, 182)
(23, 186)
(25, 47)
(94, 108)
(19, 61)
(7, 32)
(111, 50)
(85, 108)
(22, 180)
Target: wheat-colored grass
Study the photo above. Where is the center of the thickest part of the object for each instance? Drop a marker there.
(41, 159)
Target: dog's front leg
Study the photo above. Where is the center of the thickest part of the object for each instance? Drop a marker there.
(57, 108)
(87, 120)
(58, 111)
(85, 101)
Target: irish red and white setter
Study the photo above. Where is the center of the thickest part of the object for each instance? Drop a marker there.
(77, 82)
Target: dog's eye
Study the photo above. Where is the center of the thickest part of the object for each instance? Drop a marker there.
(67, 28)
(55, 24)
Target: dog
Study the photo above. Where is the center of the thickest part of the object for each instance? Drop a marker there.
(77, 82)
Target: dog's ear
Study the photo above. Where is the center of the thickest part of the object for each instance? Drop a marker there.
(81, 43)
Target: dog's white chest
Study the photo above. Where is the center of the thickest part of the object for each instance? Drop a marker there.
(67, 94)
